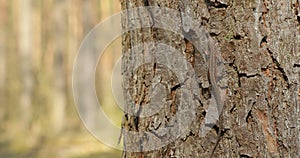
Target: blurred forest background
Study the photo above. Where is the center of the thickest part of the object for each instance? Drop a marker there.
(39, 40)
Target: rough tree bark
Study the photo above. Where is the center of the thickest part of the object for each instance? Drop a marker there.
(258, 41)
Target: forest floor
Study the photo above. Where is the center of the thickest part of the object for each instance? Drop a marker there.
(74, 145)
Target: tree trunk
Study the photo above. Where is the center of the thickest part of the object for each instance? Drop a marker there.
(3, 48)
(25, 47)
(257, 43)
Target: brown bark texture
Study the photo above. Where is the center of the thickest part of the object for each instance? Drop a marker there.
(258, 41)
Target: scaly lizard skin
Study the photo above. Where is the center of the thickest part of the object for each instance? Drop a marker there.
(212, 75)
(215, 92)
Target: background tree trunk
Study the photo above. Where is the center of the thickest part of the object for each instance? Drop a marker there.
(25, 45)
(258, 41)
(3, 21)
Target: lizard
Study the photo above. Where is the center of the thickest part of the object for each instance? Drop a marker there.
(216, 93)
(212, 66)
